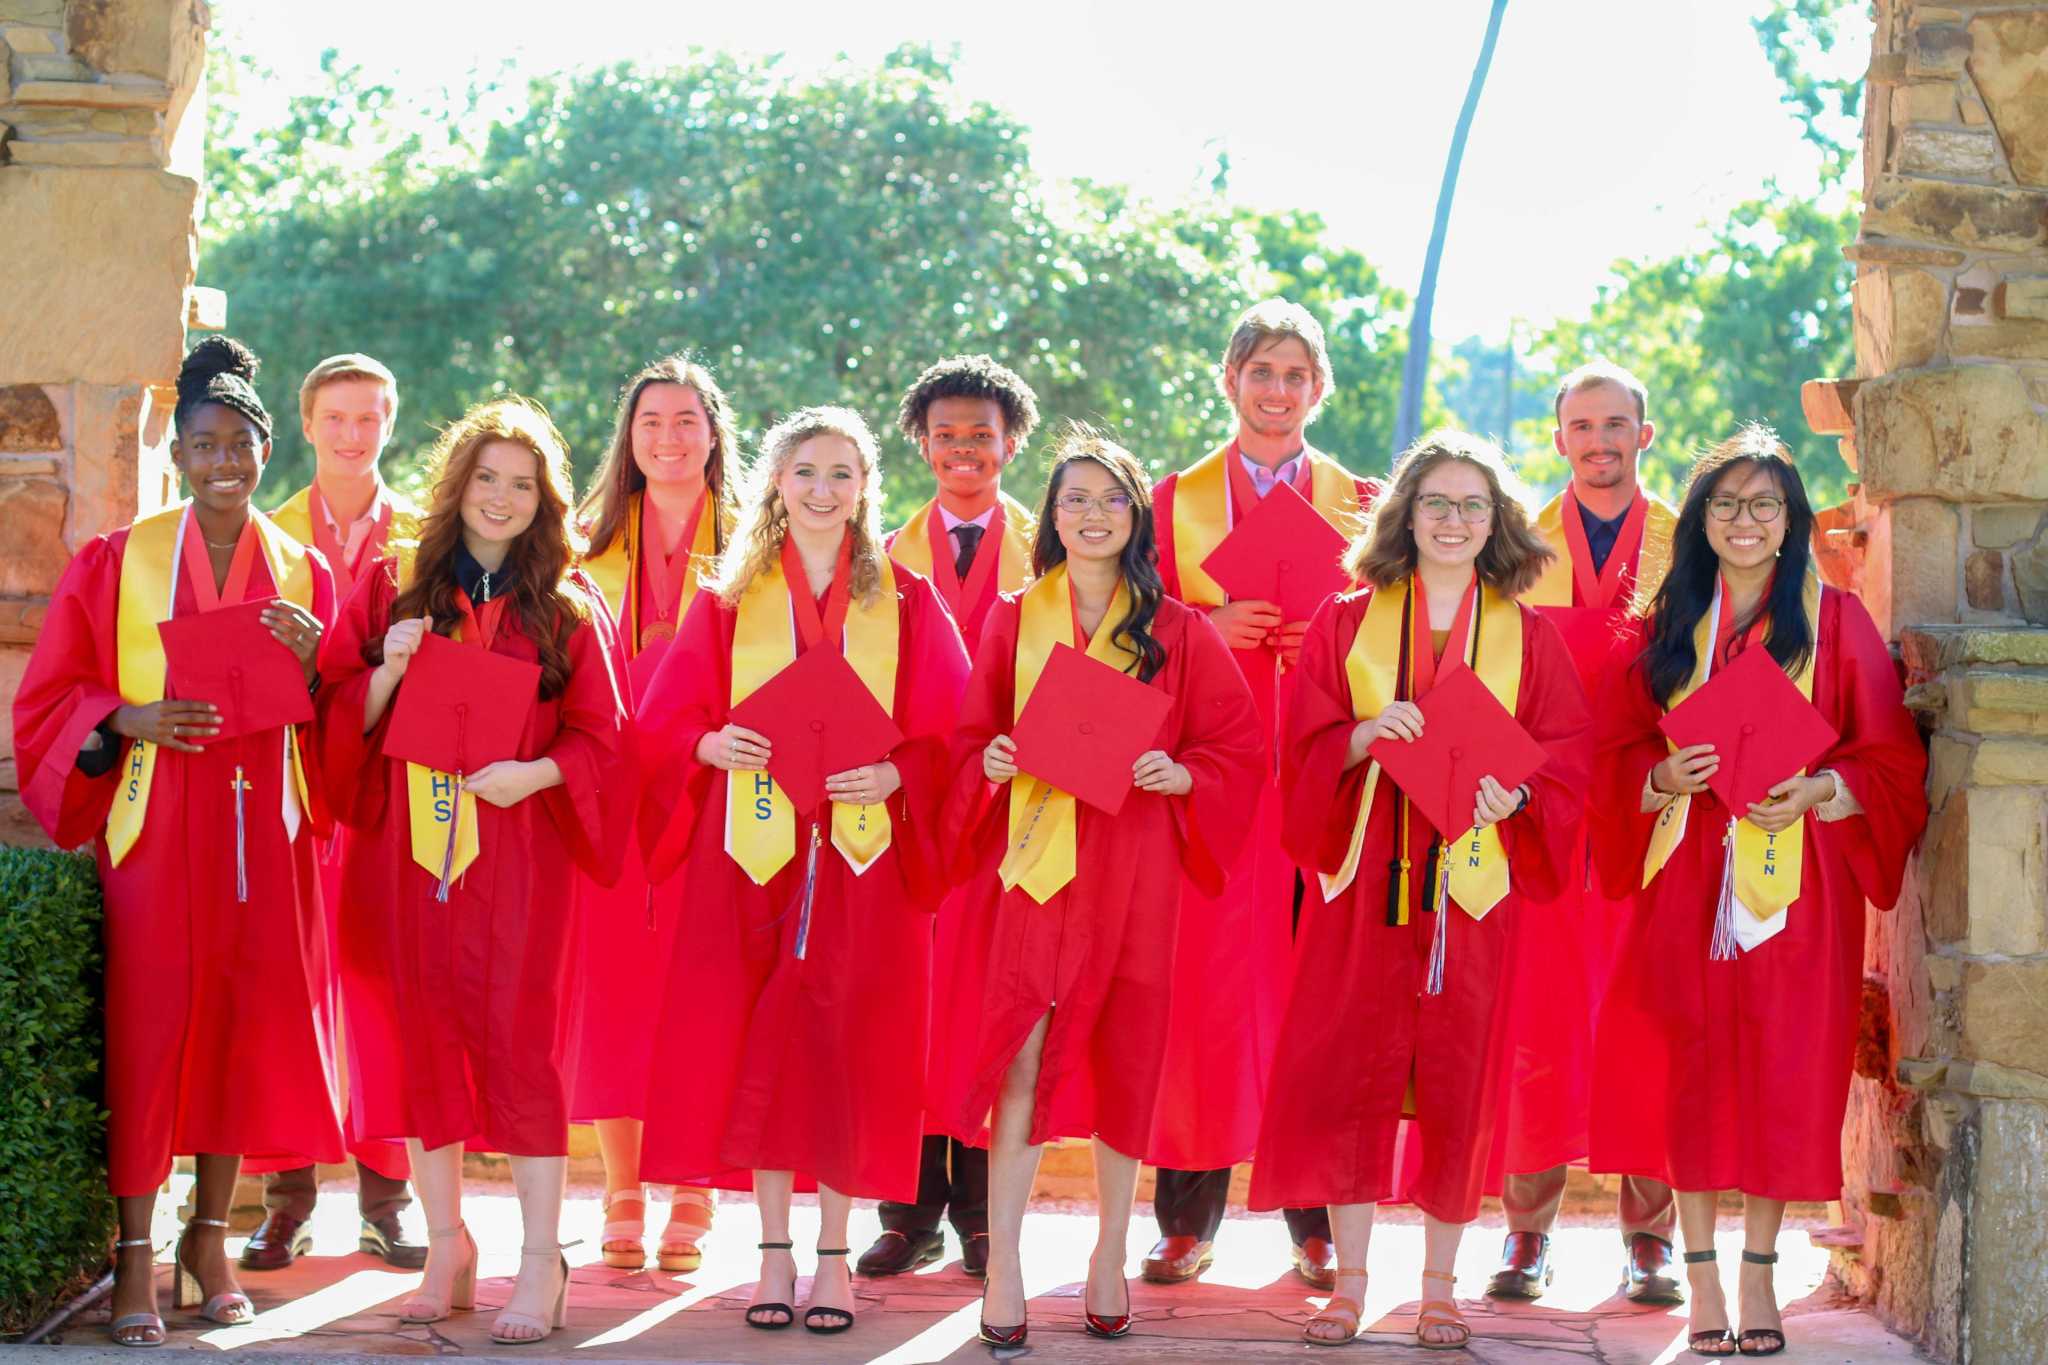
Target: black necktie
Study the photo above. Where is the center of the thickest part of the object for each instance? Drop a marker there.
(970, 536)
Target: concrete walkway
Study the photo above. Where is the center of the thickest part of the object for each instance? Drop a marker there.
(1247, 1308)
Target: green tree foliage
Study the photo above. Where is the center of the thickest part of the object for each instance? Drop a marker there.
(54, 1200)
(1726, 333)
(816, 239)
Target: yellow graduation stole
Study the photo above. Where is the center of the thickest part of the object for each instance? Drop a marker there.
(150, 565)
(1041, 854)
(1477, 865)
(294, 517)
(760, 822)
(1764, 868)
(441, 813)
(1554, 587)
(617, 571)
(912, 547)
(1201, 514)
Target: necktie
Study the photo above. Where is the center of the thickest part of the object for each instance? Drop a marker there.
(970, 536)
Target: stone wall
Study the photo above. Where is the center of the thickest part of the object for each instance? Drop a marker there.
(101, 128)
(1946, 1146)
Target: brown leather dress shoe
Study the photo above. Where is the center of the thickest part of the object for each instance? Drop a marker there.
(1315, 1260)
(1645, 1275)
(895, 1252)
(1524, 1268)
(1174, 1259)
(386, 1238)
(974, 1254)
(280, 1240)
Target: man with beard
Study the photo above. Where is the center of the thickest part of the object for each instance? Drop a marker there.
(1613, 544)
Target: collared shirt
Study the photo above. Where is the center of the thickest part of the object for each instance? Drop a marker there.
(1264, 480)
(360, 530)
(953, 524)
(478, 582)
(1600, 535)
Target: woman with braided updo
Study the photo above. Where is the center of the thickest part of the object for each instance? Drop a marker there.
(204, 843)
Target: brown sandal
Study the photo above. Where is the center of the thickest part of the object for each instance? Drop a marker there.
(1342, 1312)
(1440, 1313)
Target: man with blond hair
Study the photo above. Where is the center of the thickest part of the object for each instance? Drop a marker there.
(1234, 953)
(1613, 543)
(348, 409)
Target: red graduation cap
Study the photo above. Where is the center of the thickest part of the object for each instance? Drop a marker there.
(1085, 725)
(460, 707)
(1759, 725)
(1283, 552)
(820, 719)
(1466, 735)
(230, 658)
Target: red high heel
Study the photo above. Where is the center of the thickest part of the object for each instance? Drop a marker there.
(1107, 1328)
(1004, 1336)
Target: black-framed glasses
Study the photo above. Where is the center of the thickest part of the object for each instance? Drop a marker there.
(1077, 504)
(1437, 507)
(1764, 507)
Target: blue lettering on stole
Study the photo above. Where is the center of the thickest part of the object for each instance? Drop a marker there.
(764, 789)
(1472, 852)
(444, 798)
(135, 773)
(1770, 855)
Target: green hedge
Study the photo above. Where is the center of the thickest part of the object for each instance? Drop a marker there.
(56, 1217)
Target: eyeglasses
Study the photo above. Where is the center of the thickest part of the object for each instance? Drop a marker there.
(1437, 507)
(1077, 504)
(1765, 507)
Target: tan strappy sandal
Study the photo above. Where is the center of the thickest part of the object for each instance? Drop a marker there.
(622, 1241)
(1441, 1313)
(689, 1220)
(1343, 1311)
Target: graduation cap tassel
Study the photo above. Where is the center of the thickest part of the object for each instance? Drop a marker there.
(1435, 983)
(448, 857)
(1397, 888)
(1723, 947)
(803, 914)
(241, 840)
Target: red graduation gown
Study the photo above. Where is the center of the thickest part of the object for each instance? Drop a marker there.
(469, 994)
(1763, 1044)
(761, 1061)
(1358, 1024)
(189, 1069)
(1559, 977)
(1099, 955)
(625, 935)
(1236, 942)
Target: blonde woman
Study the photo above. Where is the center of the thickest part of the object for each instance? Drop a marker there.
(470, 979)
(798, 995)
(658, 514)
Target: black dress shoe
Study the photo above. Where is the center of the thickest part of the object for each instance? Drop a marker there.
(386, 1238)
(974, 1254)
(1524, 1267)
(280, 1240)
(1646, 1274)
(895, 1252)
(1177, 1258)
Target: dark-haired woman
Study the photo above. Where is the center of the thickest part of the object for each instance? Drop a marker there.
(790, 1046)
(1075, 1017)
(1732, 1030)
(1398, 1004)
(473, 986)
(205, 848)
(658, 515)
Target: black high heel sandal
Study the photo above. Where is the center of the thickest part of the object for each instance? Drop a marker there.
(788, 1312)
(821, 1319)
(1697, 1342)
(1771, 1339)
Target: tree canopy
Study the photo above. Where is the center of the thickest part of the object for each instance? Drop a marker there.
(814, 239)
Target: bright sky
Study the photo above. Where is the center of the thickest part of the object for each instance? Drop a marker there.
(1608, 128)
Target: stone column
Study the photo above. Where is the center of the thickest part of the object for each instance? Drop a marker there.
(101, 129)
(1946, 1144)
